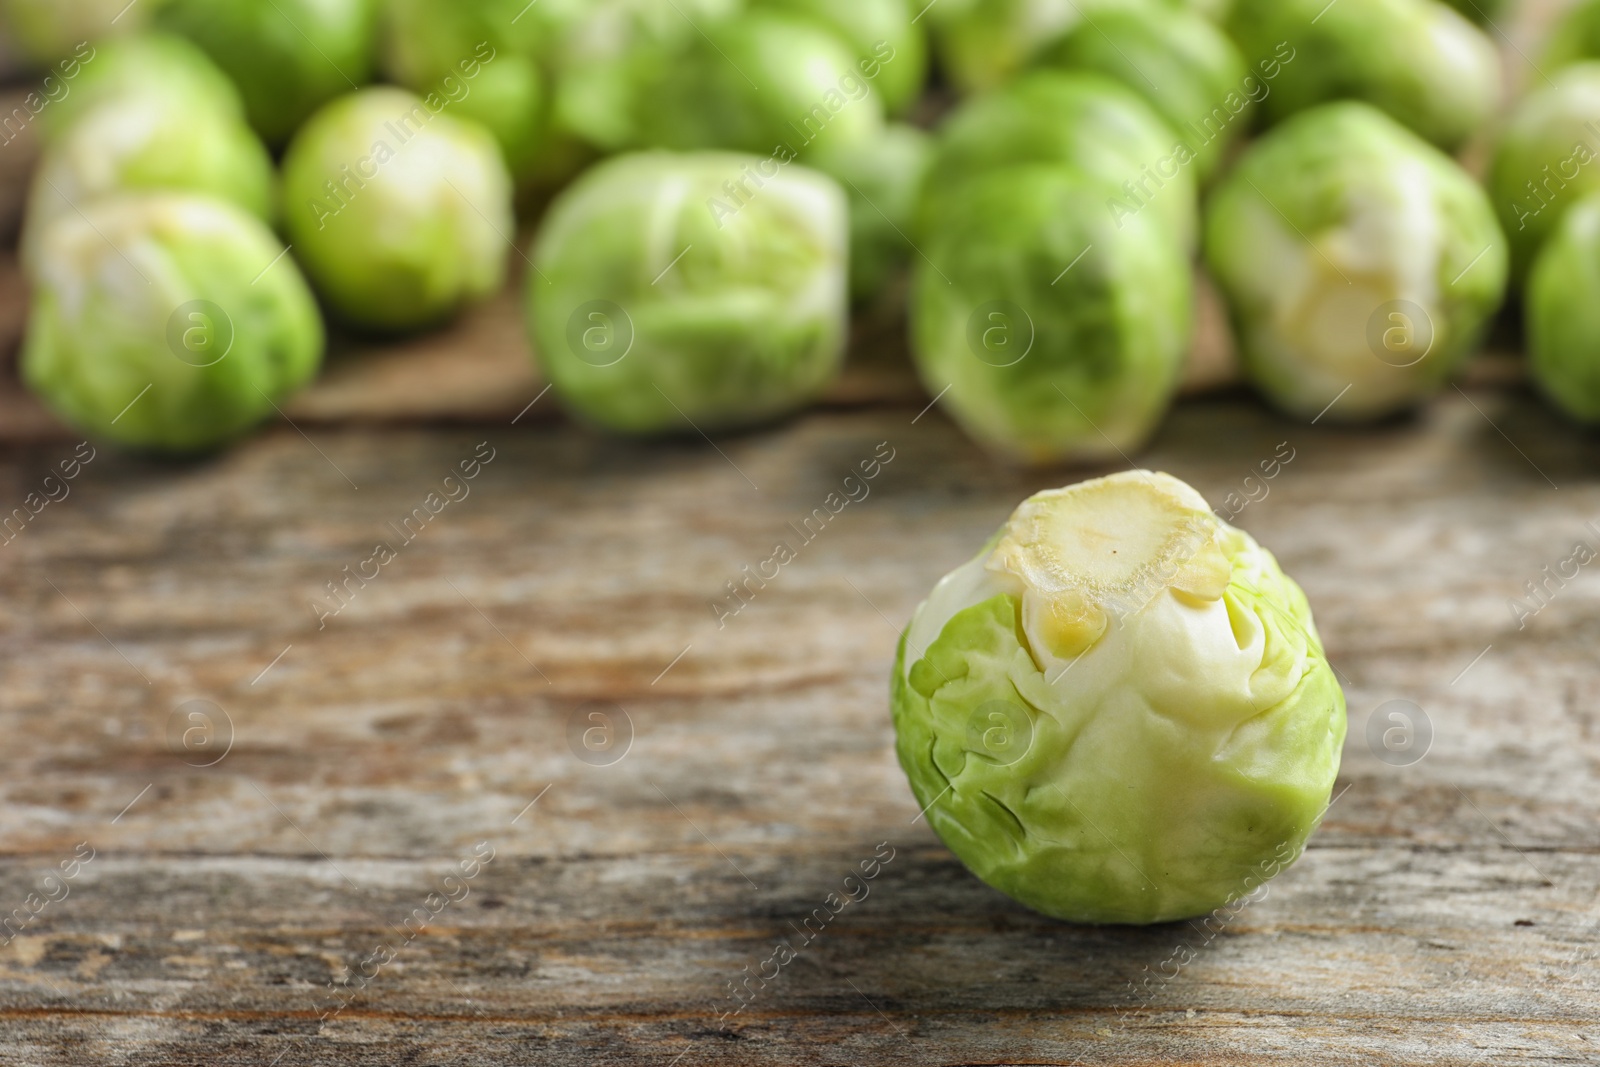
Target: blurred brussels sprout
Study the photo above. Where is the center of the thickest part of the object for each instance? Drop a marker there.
(147, 64)
(1575, 36)
(883, 179)
(1215, 10)
(882, 36)
(149, 142)
(1087, 120)
(1119, 711)
(606, 52)
(982, 44)
(1563, 313)
(1360, 263)
(288, 57)
(167, 321)
(400, 213)
(1050, 332)
(1418, 60)
(1546, 159)
(1483, 12)
(758, 81)
(479, 55)
(1180, 63)
(702, 290)
(46, 31)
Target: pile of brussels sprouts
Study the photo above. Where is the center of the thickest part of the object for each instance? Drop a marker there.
(716, 182)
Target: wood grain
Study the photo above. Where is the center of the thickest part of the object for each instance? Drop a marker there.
(247, 880)
(1443, 915)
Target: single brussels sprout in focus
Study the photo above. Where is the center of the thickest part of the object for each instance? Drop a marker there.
(1181, 64)
(288, 57)
(479, 56)
(882, 179)
(690, 291)
(1548, 157)
(1563, 313)
(882, 36)
(1050, 332)
(982, 44)
(46, 31)
(759, 81)
(1360, 263)
(149, 142)
(1418, 60)
(400, 213)
(147, 64)
(167, 321)
(1087, 120)
(1119, 711)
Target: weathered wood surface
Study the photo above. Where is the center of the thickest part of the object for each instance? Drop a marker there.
(1445, 914)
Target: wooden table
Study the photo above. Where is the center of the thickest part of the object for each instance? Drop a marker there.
(263, 909)
(376, 836)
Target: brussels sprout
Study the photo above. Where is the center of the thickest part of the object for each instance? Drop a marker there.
(1416, 59)
(1546, 159)
(1575, 37)
(1563, 313)
(148, 142)
(167, 321)
(288, 57)
(1119, 711)
(982, 44)
(1483, 12)
(400, 213)
(1360, 263)
(48, 30)
(1182, 64)
(606, 52)
(1049, 331)
(1075, 117)
(703, 290)
(883, 179)
(759, 81)
(482, 57)
(881, 34)
(148, 64)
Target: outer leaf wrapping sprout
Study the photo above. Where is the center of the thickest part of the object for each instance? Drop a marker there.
(1360, 264)
(675, 292)
(1119, 711)
(400, 213)
(1047, 330)
(157, 322)
(1417, 60)
(1563, 313)
(1548, 157)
